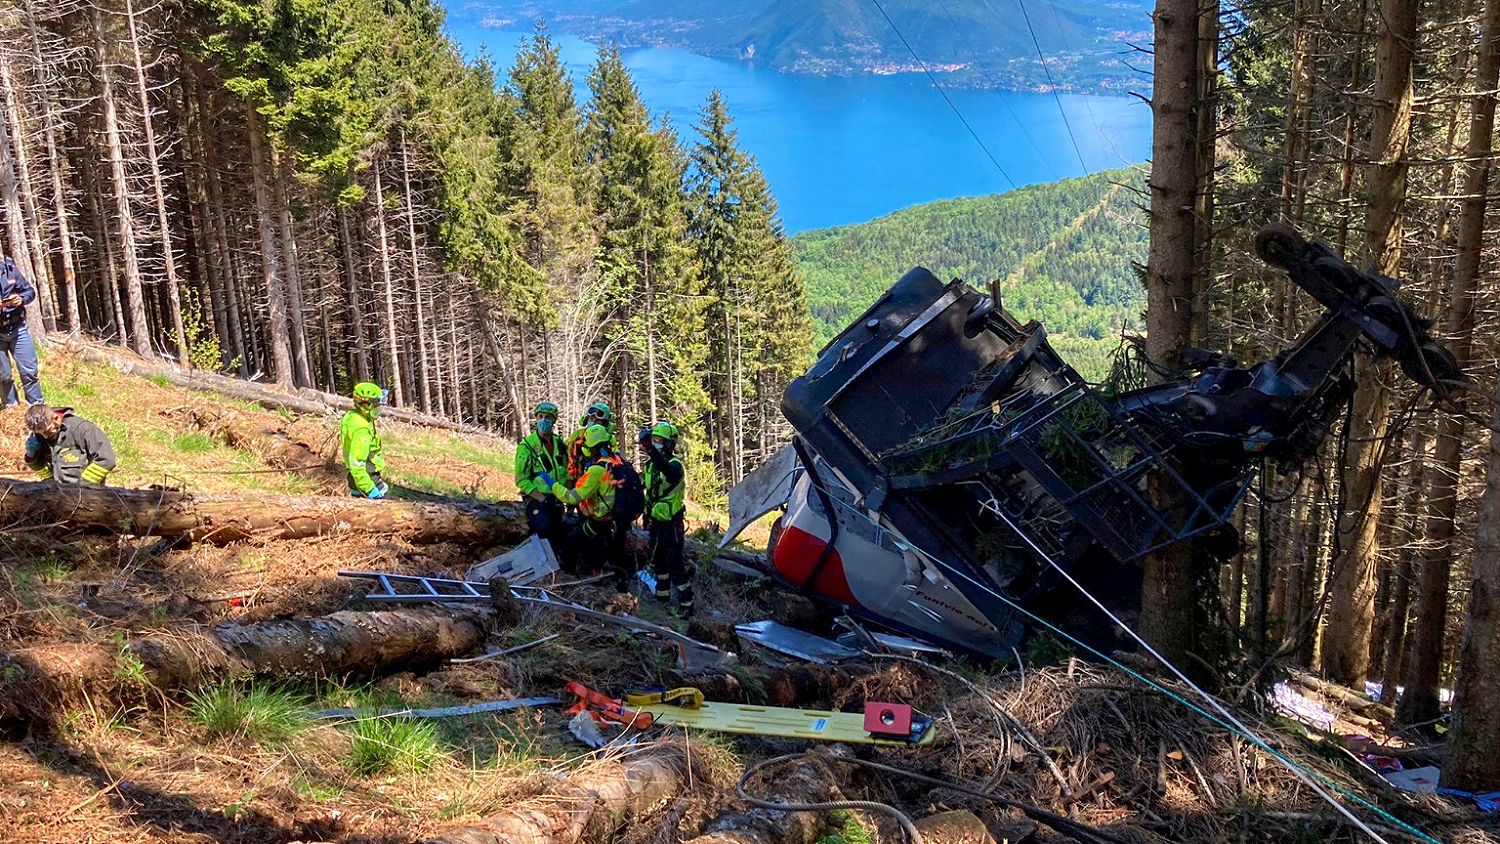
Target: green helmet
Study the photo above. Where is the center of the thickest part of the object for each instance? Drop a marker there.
(546, 407)
(665, 430)
(599, 410)
(595, 435)
(368, 391)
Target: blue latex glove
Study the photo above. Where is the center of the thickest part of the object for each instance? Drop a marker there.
(547, 479)
(378, 491)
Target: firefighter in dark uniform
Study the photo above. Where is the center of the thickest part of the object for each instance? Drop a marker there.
(66, 448)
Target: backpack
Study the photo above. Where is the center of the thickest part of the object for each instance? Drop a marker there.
(630, 493)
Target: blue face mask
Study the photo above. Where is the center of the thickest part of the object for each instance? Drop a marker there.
(544, 425)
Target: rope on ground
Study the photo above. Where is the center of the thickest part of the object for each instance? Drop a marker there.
(912, 835)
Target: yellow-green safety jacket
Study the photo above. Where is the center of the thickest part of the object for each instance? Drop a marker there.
(665, 483)
(537, 454)
(594, 494)
(361, 447)
(81, 452)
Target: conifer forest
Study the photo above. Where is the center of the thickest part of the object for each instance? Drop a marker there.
(309, 194)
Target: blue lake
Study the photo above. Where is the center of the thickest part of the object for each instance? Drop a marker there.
(845, 150)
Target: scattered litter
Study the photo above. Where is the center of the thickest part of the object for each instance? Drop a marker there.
(1487, 802)
(524, 564)
(794, 643)
(1422, 780)
(648, 579)
(1291, 703)
(493, 654)
(587, 730)
(443, 712)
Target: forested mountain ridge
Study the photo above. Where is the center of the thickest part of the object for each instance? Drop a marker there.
(320, 193)
(973, 43)
(1064, 253)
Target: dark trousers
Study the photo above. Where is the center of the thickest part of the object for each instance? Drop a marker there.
(545, 518)
(667, 539)
(586, 548)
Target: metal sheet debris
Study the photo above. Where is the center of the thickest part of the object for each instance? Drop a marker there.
(760, 492)
(442, 712)
(522, 565)
(794, 643)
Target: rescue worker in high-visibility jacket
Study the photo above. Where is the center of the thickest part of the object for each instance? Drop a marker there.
(666, 485)
(597, 413)
(586, 548)
(360, 443)
(66, 448)
(542, 452)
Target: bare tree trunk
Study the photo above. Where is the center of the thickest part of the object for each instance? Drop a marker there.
(591, 805)
(1345, 650)
(1169, 593)
(356, 308)
(42, 680)
(1412, 509)
(141, 330)
(281, 343)
(280, 176)
(54, 165)
(46, 301)
(391, 341)
(15, 220)
(1477, 742)
(153, 155)
(424, 360)
(222, 519)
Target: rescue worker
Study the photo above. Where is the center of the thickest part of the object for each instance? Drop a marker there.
(66, 448)
(597, 413)
(15, 339)
(666, 483)
(542, 452)
(586, 548)
(360, 443)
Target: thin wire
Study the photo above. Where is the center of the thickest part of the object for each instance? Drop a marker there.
(944, 95)
(1051, 84)
(1004, 101)
(1233, 725)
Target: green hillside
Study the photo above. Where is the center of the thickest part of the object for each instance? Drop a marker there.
(1063, 253)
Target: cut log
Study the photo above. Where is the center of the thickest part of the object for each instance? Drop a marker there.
(807, 781)
(594, 802)
(36, 682)
(222, 519)
(272, 445)
(267, 396)
(1344, 695)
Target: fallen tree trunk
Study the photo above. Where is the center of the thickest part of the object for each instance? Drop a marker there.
(222, 519)
(274, 447)
(1346, 696)
(807, 781)
(272, 398)
(36, 682)
(594, 802)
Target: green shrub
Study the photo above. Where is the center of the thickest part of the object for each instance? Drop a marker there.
(263, 715)
(383, 745)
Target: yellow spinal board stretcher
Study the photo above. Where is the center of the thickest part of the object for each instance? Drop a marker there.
(783, 722)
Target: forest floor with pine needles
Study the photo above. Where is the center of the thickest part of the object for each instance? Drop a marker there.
(245, 762)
